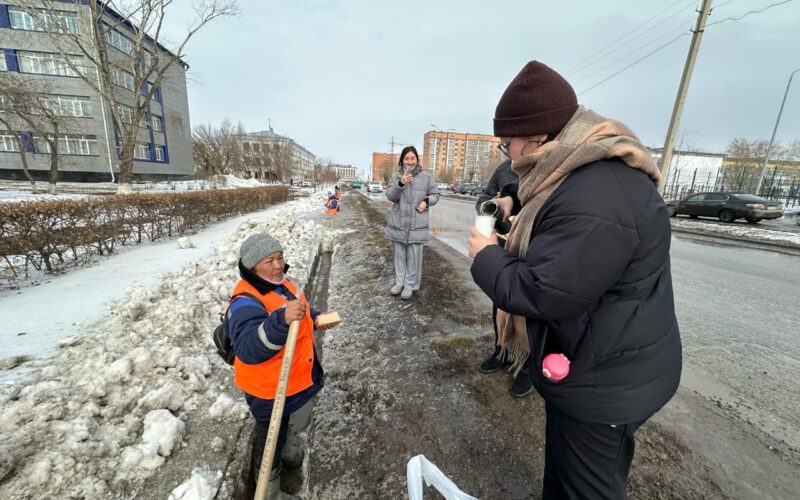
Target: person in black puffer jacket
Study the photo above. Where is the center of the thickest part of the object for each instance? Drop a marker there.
(585, 273)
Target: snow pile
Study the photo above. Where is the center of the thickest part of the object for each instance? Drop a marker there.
(201, 486)
(185, 243)
(112, 405)
(740, 231)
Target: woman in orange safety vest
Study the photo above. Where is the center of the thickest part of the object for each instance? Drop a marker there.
(264, 303)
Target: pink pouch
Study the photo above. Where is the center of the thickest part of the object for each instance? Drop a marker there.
(555, 367)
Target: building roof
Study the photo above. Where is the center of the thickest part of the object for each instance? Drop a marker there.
(124, 21)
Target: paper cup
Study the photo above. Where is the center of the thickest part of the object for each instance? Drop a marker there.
(485, 224)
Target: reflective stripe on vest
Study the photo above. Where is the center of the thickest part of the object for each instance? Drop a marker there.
(261, 380)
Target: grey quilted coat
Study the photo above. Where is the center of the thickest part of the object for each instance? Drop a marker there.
(406, 225)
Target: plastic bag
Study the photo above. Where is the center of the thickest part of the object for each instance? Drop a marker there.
(420, 468)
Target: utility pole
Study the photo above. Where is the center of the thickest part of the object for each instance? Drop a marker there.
(392, 145)
(694, 47)
(774, 130)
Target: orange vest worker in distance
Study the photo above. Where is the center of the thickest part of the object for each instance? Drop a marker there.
(332, 204)
(258, 326)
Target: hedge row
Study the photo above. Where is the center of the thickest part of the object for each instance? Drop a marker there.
(53, 235)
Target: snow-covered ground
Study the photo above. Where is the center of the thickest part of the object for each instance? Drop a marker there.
(100, 416)
(16, 191)
(738, 231)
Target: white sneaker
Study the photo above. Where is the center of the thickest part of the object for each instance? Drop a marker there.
(396, 289)
(407, 293)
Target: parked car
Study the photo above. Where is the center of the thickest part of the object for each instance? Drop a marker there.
(355, 184)
(466, 187)
(726, 206)
(374, 187)
(443, 186)
(307, 184)
(479, 188)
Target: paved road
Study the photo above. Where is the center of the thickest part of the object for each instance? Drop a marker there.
(739, 311)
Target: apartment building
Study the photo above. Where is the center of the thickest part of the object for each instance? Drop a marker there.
(88, 141)
(459, 156)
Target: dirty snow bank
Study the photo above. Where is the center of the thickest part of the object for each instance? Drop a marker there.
(739, 231)
(111, 406)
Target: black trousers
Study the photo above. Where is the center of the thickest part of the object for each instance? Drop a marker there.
(262, 429)
(585, 460)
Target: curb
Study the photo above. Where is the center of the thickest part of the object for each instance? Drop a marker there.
(722, 236)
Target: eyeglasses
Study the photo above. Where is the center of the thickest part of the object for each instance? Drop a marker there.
(503, 147)
(505, 143)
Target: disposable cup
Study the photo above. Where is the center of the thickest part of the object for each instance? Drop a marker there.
(485, 224)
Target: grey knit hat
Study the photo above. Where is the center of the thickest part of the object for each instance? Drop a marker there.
(256, 247)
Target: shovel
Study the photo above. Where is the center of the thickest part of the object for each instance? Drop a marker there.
(277, 412)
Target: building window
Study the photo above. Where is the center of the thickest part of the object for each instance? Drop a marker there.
(79, 145)
(155, 122)
(160, 153)
(117, 40)
(49, 64)
(141, 151)
(123, 79)
(57, 21)
(67, 105)
(8, 142)
(125, 114)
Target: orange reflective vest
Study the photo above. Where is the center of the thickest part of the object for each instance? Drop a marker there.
(331, 207)
(261, 380)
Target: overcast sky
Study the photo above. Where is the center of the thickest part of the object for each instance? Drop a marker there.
(344, 77)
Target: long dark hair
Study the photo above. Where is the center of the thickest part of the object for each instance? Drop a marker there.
(405, 151)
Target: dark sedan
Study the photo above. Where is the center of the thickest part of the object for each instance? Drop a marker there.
(727, 207)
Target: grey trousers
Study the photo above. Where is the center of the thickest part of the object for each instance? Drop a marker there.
(408, 264)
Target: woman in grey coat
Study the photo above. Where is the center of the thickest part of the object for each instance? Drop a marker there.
(412, 191)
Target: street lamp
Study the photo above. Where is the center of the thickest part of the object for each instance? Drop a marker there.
(772, 139)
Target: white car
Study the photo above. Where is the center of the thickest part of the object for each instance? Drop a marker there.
(443, 186)
(374, 187)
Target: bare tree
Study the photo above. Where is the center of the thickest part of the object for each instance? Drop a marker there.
(28, 105)
(127, 76)
(218, 150)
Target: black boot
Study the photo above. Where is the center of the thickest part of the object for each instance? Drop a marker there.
(522, 385)
(493, 364)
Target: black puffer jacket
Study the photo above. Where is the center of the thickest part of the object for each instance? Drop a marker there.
(596, 286)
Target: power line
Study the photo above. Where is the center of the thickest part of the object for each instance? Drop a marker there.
(596, 56)
(680, 36)
(635, 62)
(675, 28)
(739, 18)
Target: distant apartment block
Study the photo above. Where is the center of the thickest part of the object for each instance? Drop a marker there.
(88, 144)
(263, 160)
(345, 172)
(382, 163)
(466, 155)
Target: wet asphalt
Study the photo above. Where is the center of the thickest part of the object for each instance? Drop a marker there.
(739, 311)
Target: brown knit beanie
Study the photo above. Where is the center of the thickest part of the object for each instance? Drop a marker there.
(537, 101)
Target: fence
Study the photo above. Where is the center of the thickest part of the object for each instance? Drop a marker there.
(783, 189)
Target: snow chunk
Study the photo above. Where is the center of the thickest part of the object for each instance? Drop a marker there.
(185, 243)
(68, 342)
(119, 371)
(162, 432)
(162, 429)
(169, 396)
(202, 485)
(221, 407)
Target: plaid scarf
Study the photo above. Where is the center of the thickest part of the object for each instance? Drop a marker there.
(587, 138)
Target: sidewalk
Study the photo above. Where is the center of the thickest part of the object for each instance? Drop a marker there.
(402, 379)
